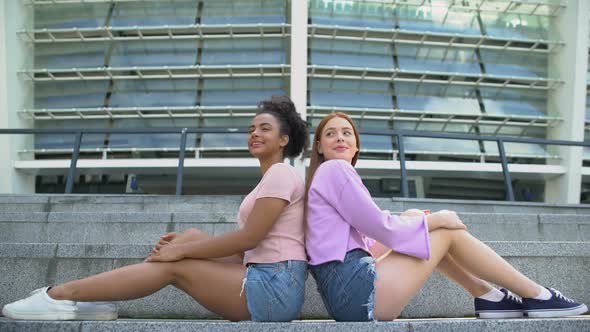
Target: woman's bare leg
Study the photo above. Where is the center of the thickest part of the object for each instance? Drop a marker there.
(449, 267)
(401, 276)
(214, 285)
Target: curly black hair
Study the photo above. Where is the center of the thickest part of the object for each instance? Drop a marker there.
(291, 123)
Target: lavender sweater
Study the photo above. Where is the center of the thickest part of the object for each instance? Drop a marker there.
(342, 216)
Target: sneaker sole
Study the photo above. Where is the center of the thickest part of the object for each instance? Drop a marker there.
(59, 315)
(556, 312)
(498, 314)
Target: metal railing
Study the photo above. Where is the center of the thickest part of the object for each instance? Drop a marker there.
(399, 134)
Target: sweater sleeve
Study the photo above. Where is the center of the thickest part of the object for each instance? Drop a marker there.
(342, 188)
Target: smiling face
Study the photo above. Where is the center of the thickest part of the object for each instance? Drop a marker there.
(338, 140)
(264, 137)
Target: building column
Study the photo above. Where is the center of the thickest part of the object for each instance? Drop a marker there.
(15, 94)
(569, 63)
(298, 56)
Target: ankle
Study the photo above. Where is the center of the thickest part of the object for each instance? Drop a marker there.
(532, 292)
(480, 289)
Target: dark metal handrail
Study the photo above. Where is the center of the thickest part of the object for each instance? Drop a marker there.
(399, 134)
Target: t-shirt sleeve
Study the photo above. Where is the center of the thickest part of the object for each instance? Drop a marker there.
(278, 182)
(344, 190)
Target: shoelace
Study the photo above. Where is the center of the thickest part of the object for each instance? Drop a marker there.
(561, 296)
(513, 297)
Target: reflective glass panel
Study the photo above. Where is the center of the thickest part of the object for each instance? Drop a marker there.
(244, 12)
(510, 102)
(514, 64)
(154, 53)
(519, 26)
(437, 59)
(85, 94)
(437, 19)
(351, 13)
(70, 55)
(437, 98)
(153, 93)
(351, 53)
(154, 13)
(240, 91)
(350, 93)
(63, 16)
(244, 51)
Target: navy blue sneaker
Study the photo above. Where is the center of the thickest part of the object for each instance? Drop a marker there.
(557, 306)
(509, 307)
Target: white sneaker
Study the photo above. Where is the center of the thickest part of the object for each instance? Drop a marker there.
(39, 306)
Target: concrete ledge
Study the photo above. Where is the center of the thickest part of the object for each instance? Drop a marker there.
(25, 267)
(145, 227)
(109, 217)
(169, 203)
(75, 250)
(579, 323)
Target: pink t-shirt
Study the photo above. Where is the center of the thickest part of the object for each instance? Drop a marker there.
(285, 240)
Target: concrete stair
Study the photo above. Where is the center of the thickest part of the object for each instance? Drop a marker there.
(46, 239)
(573, 324)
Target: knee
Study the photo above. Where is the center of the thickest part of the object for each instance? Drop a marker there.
(451, 234)
(412, 213)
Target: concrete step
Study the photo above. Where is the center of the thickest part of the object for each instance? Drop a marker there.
(145, 227)
(230, 203)
(573, 324)
(24, 267)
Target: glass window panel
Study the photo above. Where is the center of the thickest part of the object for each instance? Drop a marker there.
(154, 13)
(240, 91)
(376, 143)
(440, 145)
(225, 141)
(586, 153)
(67, 141)
(514, 64)
(153, 93)
(69, 55)
(244, 12)
(350, 93)
(351, 13)
(538, 132)
(509, 102)
(516, 149)
(437, 59)
(63, 16)
(510, 25)
(244, 51)
(363, 124)
(228, 122)
(437, 98)
(154, 53)
(351, 53)
(588, 108)
(437, 19)
(171, 140)
(84, 94)
(431, 126)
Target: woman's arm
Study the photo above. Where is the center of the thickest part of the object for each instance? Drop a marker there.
(340, 186)
(263, 216)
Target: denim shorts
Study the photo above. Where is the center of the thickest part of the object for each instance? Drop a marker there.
(348, 288)
(275, 291)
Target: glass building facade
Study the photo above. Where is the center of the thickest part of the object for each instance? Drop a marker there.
(473, 66)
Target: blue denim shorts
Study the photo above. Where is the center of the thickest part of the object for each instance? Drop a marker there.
(275, 291)
(348, 288)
